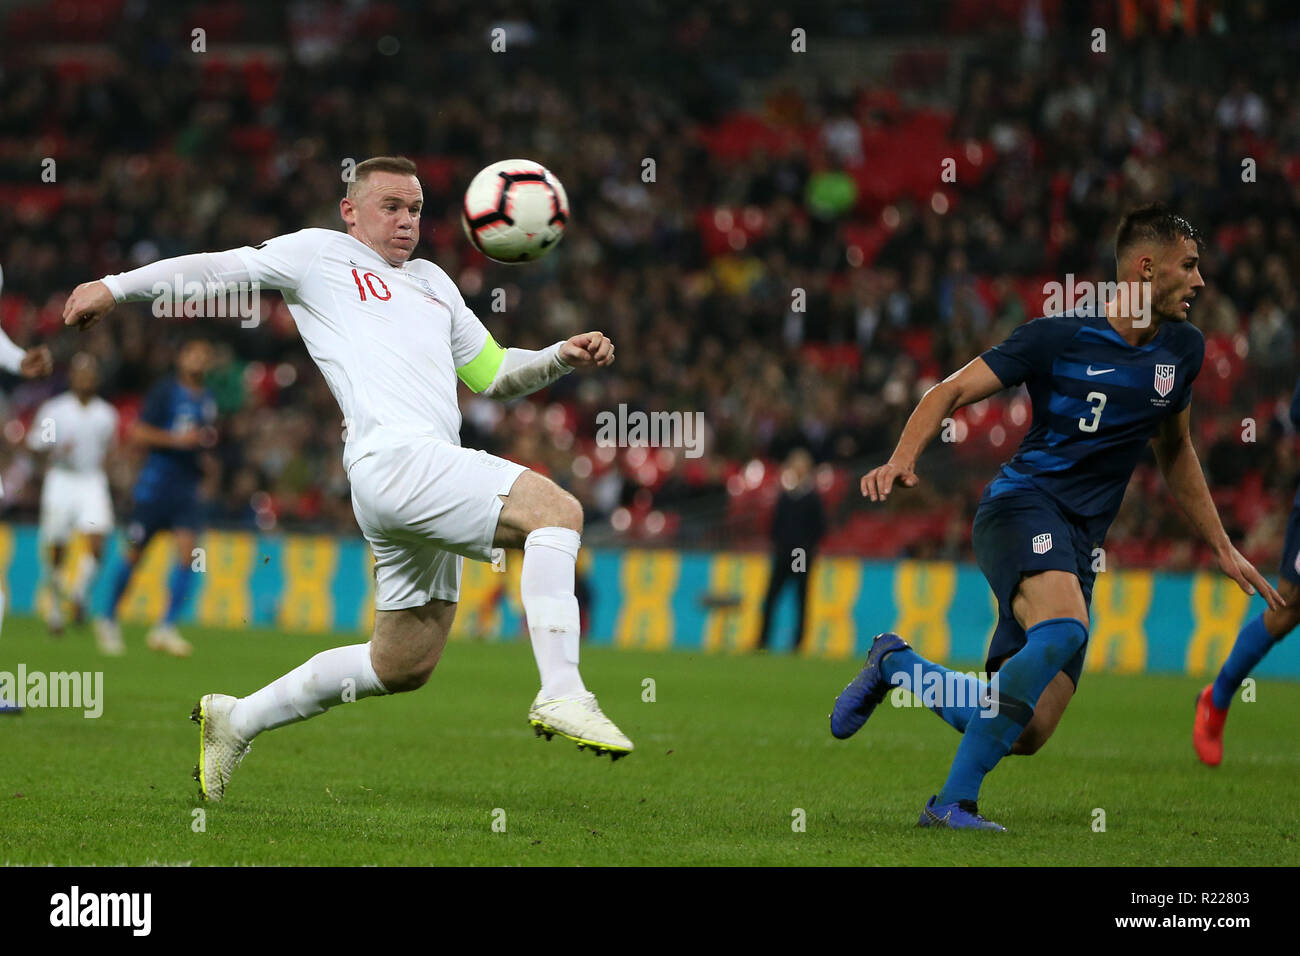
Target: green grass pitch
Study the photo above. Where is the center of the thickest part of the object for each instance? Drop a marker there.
(727, 754)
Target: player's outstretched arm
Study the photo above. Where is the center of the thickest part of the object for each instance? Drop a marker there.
(29, 363)
(1181, 467)
(512, 373)
(972, 383)
(89, 303)
(278, 263)
(588, 350)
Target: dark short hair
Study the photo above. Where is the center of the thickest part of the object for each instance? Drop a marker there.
(379, 164)
(1152, 222)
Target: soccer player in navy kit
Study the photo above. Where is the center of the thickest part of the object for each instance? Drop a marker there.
(1255, 640)
(176, 424)
(1103, 383)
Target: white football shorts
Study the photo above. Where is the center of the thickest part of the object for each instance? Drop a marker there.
(74, 501)
(424, 504)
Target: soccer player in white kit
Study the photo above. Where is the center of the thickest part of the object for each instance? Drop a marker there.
(391, 335)
(75, 431)
(29, 363)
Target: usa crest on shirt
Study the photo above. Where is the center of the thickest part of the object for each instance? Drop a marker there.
(1164, 379)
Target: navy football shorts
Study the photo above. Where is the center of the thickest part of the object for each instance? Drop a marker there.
(181, 508)
(1019, 534)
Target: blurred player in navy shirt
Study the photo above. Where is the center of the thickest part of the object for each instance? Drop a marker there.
(176, 424)
(1255, 640)
(1104, 382)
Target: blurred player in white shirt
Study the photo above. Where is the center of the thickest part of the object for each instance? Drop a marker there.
(391, 335)
(29, 363)
(74, 432)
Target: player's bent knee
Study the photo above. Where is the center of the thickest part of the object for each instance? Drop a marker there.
(569, 512)
(408, 678)
(408, 643)
(558, 509)
(402, 677)
(1047, 595)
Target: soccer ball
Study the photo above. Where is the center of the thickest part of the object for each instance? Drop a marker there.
(514, 211)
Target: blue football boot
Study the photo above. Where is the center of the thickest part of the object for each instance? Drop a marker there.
(859, 699)
(962, 815)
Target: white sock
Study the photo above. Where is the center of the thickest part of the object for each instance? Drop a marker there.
(336, 676)
(546, 588)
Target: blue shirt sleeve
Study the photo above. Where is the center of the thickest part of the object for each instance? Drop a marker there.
(1196, 358)
(1029, 350)
(157, 410)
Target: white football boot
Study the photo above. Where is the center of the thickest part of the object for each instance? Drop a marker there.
(108, 638)
(580, 720)
(220, 748)
(167, 640)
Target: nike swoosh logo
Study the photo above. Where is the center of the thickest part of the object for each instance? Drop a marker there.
(1098, 371)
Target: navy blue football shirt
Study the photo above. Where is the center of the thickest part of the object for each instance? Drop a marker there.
(1097, 401)
(173, 407)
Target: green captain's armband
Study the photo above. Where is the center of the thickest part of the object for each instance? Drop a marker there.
(480, 370)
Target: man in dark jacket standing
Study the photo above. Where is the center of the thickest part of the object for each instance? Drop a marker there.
(798, 524)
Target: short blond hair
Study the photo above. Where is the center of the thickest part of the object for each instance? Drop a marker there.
(378, 164)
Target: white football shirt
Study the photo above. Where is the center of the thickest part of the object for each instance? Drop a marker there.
(387, 339)
(77, 436)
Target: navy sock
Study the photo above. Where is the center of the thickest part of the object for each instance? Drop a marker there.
(1049, 645)
(1252, 644)
(121, 578)
(952, 695)
(182, 579)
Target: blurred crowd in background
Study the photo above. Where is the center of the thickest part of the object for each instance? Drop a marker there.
(820, 235)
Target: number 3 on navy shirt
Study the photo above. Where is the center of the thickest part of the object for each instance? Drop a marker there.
(1100, 399)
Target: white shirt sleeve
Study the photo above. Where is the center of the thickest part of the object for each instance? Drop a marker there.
(468, 333)
(159, 278)
(523, 372)
(11, 355)
(282, 263)
(278, 263)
